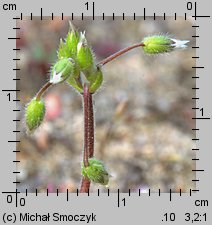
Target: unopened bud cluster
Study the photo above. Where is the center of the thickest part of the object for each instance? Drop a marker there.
(76, 59)
(75, 65)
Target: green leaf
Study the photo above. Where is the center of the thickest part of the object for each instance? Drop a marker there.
(95, 80)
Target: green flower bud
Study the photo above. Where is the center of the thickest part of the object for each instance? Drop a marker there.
(96, 80)
(35, 113)
(96, 172)
(72, 41)
(62, 70)
(68, 48)
(85, 56)
(157, 44)
(63, 51)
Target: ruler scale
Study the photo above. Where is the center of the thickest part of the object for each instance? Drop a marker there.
(183, 207)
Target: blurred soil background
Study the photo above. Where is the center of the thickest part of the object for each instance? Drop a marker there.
(143, 111)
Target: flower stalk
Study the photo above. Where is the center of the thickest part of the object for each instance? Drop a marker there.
(43, 90)
(119, 53)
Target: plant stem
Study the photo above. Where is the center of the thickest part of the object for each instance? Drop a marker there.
(117, 54)
(88, 151)
(88, 135)
(42, 90)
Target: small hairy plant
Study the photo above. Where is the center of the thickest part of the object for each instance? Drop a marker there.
(76, 66)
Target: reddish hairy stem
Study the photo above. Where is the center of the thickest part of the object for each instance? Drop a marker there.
(88, 135)
(117, 54)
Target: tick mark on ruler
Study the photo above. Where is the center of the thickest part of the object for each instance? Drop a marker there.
(16, 182)
(201, 118)
(93, 11)
(41, 14)
(11, 90)
(18, 18)
(67, 195)
(15, 38)
(198, 67)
